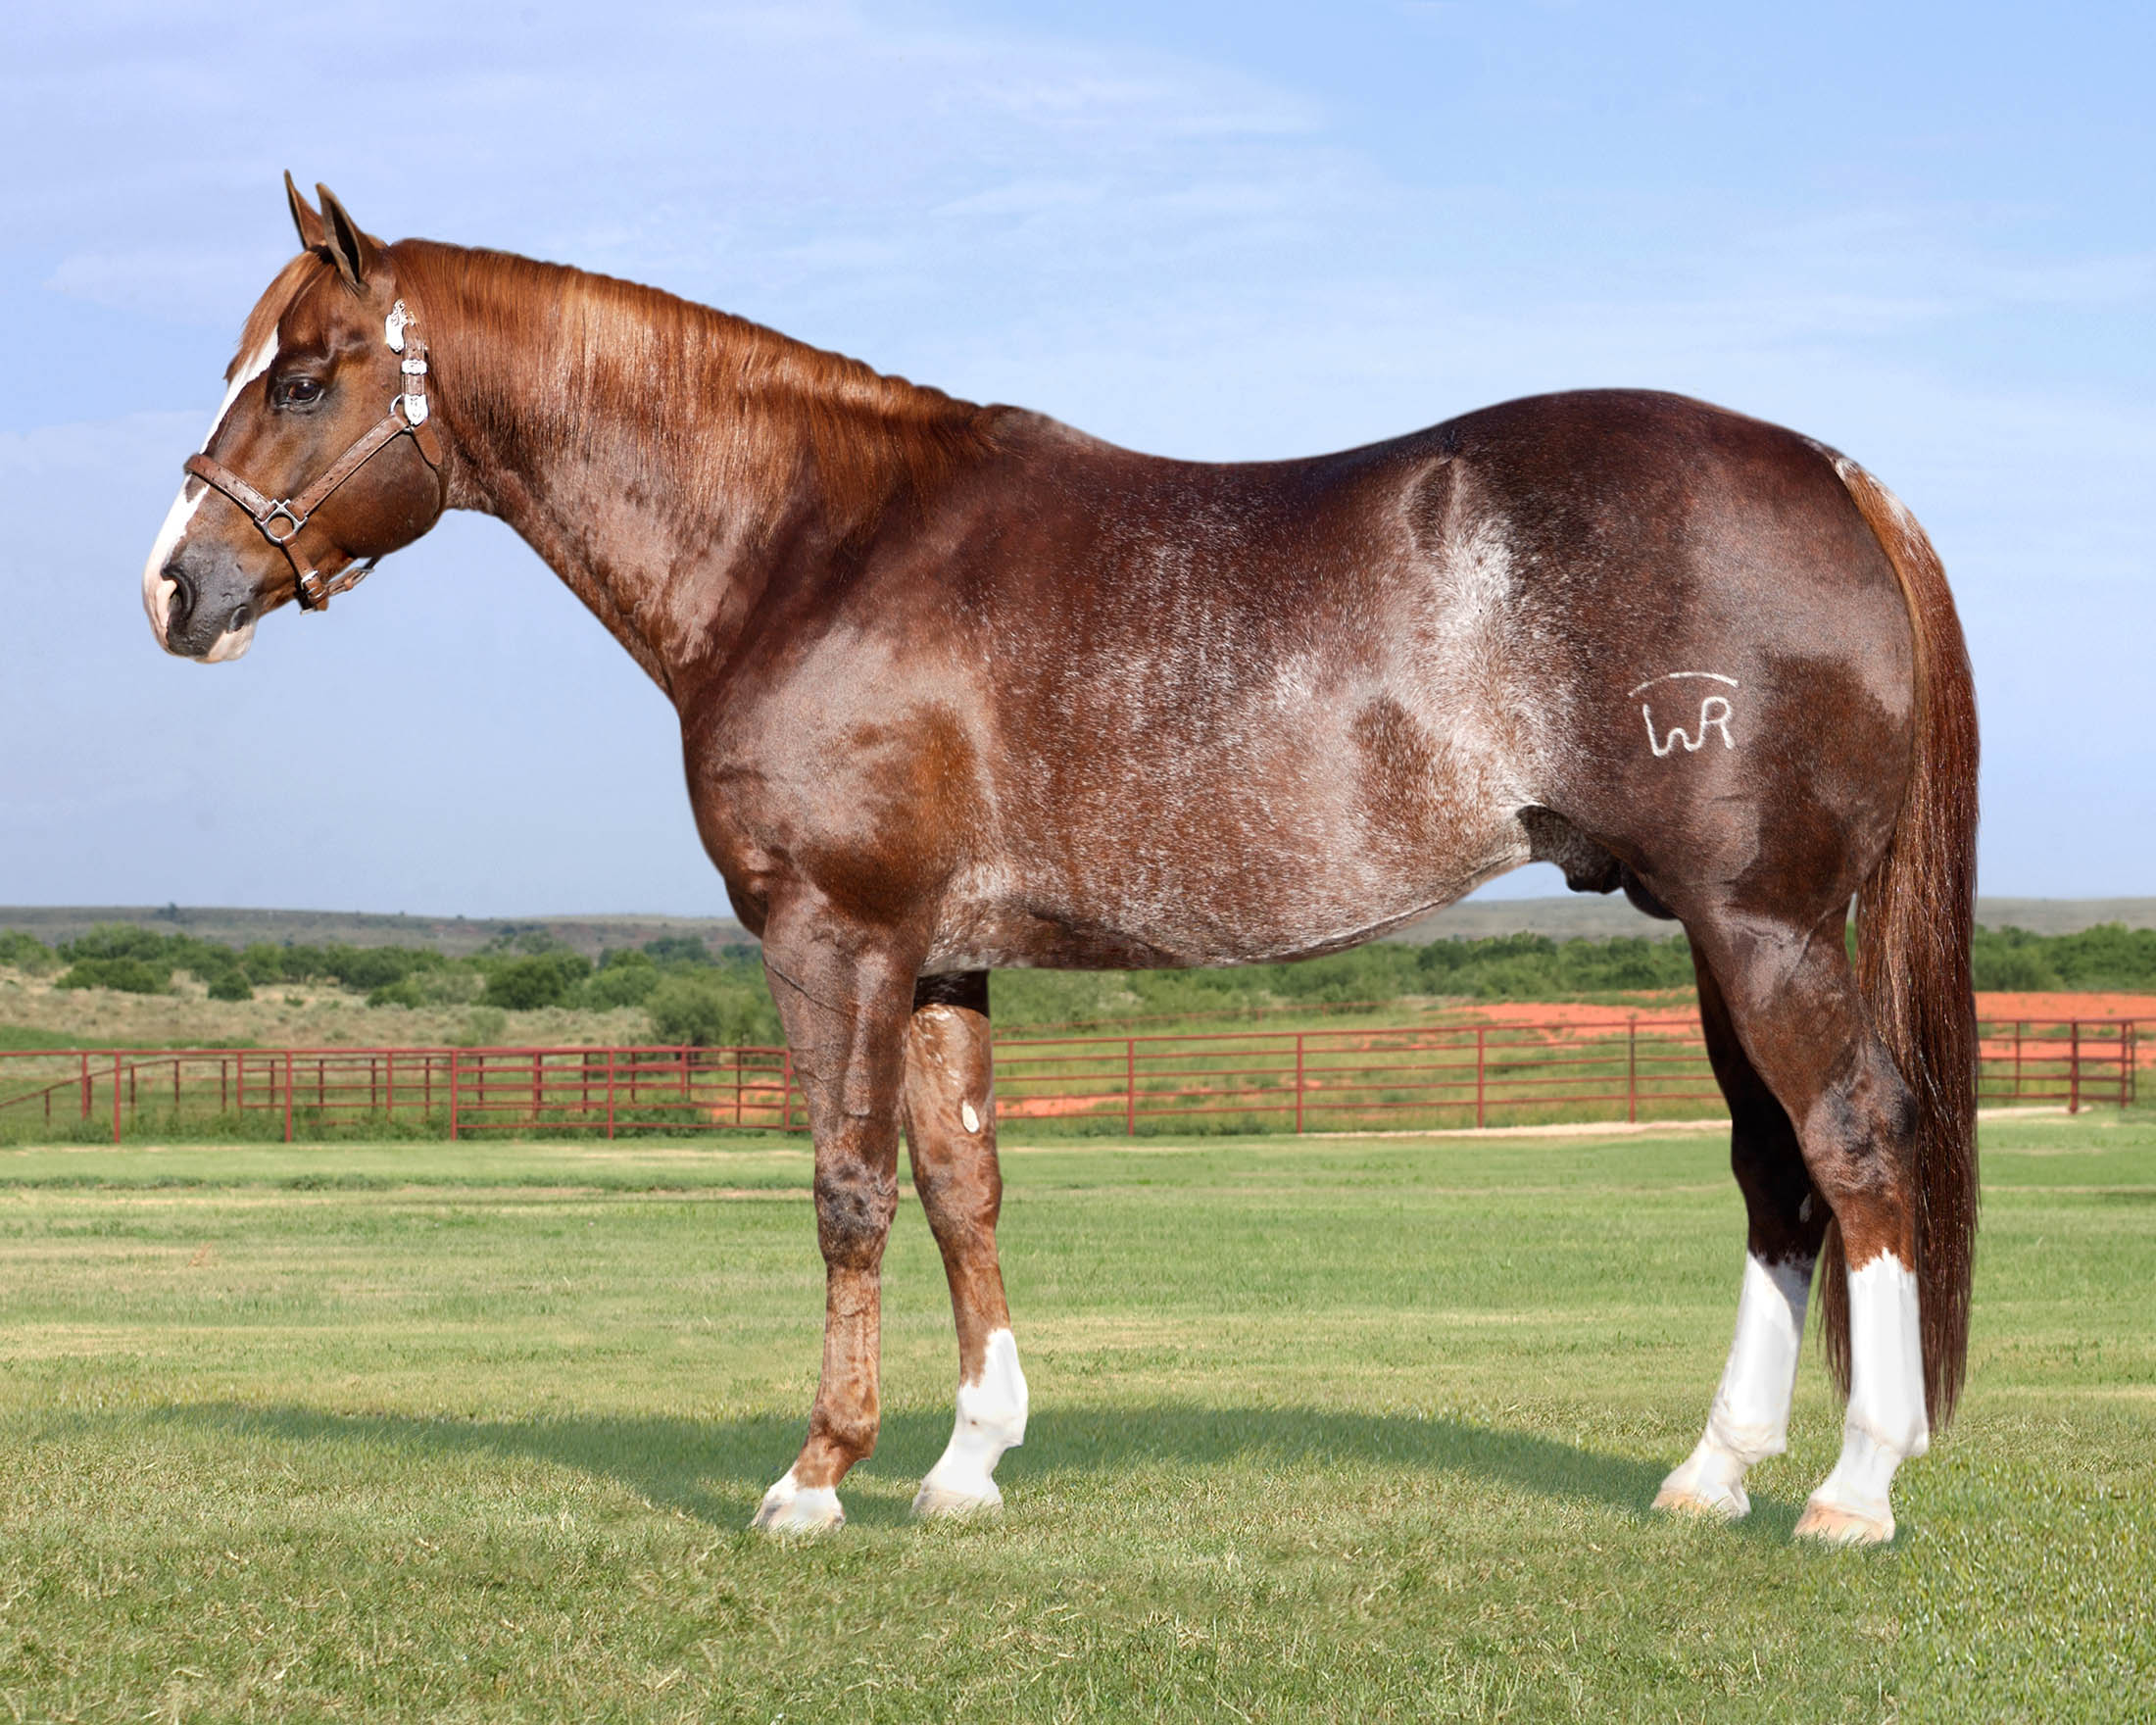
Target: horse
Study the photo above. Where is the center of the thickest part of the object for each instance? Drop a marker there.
(961, 687)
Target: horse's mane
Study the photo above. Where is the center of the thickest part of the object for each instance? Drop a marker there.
(730, 413)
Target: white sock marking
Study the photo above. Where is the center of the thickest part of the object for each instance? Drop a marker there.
(1886, 1422)
(791, 1507)
(991, 1419)
(1749, 1419)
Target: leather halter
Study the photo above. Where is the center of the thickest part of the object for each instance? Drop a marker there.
(280, 520)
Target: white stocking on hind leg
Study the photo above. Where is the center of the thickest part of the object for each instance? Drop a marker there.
(1807, 1039)
(1784, 1221)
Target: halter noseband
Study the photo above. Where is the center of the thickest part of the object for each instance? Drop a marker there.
(282, 520)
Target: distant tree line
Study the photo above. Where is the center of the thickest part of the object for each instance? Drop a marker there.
(693, 995)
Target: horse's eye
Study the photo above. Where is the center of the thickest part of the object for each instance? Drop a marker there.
(296, 392)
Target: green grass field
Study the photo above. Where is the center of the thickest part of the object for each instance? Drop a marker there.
(1351, 1429)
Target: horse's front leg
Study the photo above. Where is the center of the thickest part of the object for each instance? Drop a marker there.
(843, 994)
(951, 1135)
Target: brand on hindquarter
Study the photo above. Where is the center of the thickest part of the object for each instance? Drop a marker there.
(1716, 710)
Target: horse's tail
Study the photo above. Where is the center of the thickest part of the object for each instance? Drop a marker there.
(1914, 921)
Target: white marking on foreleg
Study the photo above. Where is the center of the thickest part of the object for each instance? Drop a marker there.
(1749, 1419)
(972, 1120)
(991, 1419)
(1886, 1422)
(789, 1508)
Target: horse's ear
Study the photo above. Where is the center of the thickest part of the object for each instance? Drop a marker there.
(352, 251)
(313, 236)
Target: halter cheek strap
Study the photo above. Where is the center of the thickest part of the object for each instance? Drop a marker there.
(280, 520)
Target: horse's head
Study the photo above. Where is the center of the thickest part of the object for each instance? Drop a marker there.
(323, 453)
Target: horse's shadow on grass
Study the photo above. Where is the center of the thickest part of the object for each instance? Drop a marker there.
(716, 1470)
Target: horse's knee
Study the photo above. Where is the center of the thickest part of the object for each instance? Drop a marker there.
(854, 1205)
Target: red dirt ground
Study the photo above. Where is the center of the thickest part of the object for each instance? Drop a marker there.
(1988, 1005)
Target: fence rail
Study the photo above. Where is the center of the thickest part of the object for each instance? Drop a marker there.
(1426, 1076)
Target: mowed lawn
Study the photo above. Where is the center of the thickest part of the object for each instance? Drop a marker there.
(1334, 1429)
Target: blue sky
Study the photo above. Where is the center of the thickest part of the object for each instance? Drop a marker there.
(1922, 233)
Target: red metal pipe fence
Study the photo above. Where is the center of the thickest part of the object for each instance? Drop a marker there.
(1424, 1076)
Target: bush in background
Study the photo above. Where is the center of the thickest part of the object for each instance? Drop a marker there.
(623, 979)
(711, 1011)
(523, 985)
(25, 952)
(128, 975)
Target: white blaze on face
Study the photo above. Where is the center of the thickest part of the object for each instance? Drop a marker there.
(157, 591)
(991, 1419)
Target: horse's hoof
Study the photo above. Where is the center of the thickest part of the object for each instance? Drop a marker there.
(789, 1509)
(1731, 1504)
(1708, 1482)
(957, 1496)
(1833, 1525)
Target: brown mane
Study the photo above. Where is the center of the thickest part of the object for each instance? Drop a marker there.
(732, 411)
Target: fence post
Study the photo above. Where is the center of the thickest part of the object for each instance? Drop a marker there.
(1299, 1081)
(116, 1099)
(1632, 1069)
(288, 1095)
(1482, 1033)
(1130, 1087)
(453, 1062)
(85, 1087)
(2074, 1067)
(786, 1090)
(2016, 1060)
(610, 1093)
(389, 1083)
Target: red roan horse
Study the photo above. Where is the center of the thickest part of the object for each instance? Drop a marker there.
(961, 687)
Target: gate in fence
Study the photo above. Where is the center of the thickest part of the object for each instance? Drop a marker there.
(1425, 1077)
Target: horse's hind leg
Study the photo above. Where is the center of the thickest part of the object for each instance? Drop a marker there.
(951, 1135)
(1792, 999)
(1785, 1222)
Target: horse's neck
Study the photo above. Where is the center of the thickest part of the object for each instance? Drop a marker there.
(632, 441)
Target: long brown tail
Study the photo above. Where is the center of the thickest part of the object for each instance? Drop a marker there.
(1914, 918)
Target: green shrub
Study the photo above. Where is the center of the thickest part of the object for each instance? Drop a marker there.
(2016, 970)
(25, 952)
(522, 985)
(678, 949)
(117, 940)
(128, 975)
(623, 979)
(402, 993)
(230, 985)
(711, 1011)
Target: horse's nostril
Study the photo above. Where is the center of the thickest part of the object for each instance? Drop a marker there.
(241, 616)
(183, 600)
